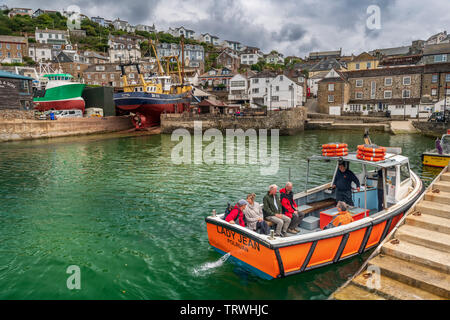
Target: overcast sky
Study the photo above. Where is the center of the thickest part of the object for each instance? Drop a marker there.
(293, 27)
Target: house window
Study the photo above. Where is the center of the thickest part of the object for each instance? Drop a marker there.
(406, 94)
(103, 76)
(275, 98)
(255, 90)
(255, 80)
(388, 94)
(434, 78)
(277, 88)
(434, 92)
(8, 46)
(358, 95)
(373, 87)
(357, 66)
(440, 58)
(388, 81)
(281, 78)
(447, 77)
(359, 83)
(369, 65)
(406, 81)
(330, 98)
(331, 87)
(88, 76)
(131, 76)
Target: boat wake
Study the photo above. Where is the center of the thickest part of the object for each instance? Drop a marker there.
(209, 267)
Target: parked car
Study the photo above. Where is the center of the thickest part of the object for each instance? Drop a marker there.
(439, 116)
(75, 113)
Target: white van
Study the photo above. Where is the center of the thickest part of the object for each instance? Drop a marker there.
(74, 113)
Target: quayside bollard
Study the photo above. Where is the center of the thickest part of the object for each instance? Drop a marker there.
(214, 213)
(272, 233)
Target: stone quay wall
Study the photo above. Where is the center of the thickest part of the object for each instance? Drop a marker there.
(25, 129)
(431, 129)
(289, 122)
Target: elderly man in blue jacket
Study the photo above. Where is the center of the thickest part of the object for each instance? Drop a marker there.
(343, 184)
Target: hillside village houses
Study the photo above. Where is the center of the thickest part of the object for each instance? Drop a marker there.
(53, 37)
(228, 59)
(274, 58)
(208, 38)
(40, 52)
(146, 28)
(364, 61)
(13, 49)
(239, 87)
(124, 48)
(233, 45)
(123, 25)
(182, 31)
(20, 12)
(193, 54)
(216, 79)
(251, 55)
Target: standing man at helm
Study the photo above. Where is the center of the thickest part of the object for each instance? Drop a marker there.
(343, 184)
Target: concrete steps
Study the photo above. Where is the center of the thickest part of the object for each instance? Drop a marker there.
(413, 253)
(392, 289)
(415, 263)
(429, 222)
(442, 186)
(353, 292)
(435, 209)
(441, 197)
(412, 274)
(424, 237)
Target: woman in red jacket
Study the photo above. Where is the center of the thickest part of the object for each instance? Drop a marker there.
(237, 214)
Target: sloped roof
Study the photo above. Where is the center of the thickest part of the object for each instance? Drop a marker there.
(436, 49)
(364, 57)
(326, 64)
(5, 74)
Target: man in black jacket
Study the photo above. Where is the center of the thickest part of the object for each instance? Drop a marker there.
(343, 184)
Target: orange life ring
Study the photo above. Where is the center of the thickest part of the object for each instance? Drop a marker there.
(335, 150)
(334, 154)
(371, 148)
(334, 146)
(367, 158)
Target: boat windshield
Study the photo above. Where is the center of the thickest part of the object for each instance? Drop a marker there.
(445, 143)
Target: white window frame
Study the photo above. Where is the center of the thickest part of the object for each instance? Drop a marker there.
(356, 95)
(403, 81)
(403, 93)
(330, 98)
(386, 84)
(331, 87)
(356, 83)
(388, 91)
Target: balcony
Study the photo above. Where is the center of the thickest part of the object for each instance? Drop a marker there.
(237, 97)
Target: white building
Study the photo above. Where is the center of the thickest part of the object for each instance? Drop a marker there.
(239, 87)
(250, 56)
(123, 25)
(313, 82)
(40, 52)
(193, 54)
(259, 87)
(146, 28)
(284, 93)
(124, 48)
(57, 37)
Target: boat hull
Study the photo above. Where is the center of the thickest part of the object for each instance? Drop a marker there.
(62, 97)
(151, 105)
(276, 260)
(435, 159)
(60, 104)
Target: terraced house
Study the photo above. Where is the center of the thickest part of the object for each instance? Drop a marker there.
(13, 49)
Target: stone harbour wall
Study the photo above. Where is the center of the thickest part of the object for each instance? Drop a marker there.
(289, 122)
(431, 129)
(24, 129)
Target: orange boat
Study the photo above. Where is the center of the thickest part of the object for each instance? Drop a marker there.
(273, 257)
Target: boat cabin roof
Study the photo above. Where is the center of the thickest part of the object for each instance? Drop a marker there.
(391, 159)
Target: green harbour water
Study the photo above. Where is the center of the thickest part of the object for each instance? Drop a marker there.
(133, 221)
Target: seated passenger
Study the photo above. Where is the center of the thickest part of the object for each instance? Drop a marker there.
(343, 217)
(237, 215)
(254, 216)
(272, 211)
(290, 208)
